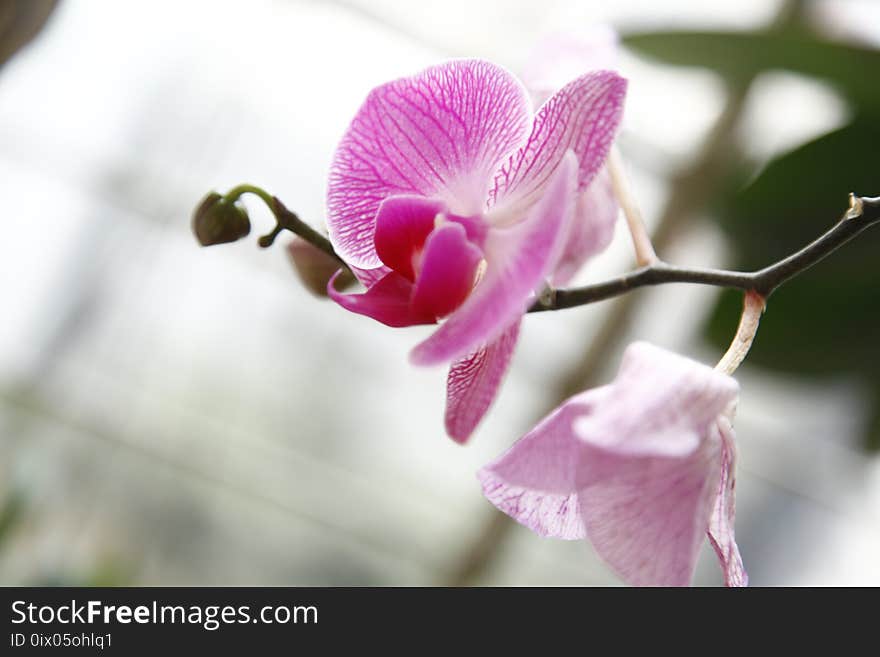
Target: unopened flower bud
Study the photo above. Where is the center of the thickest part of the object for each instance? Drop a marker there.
(218, 221)
(315, 267)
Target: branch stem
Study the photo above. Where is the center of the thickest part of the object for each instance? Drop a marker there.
(285, 220)
(862, 213)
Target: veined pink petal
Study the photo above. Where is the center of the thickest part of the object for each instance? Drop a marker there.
(650, 474)
(441, 133)
(403, 223)
(369, 277)
(387, 301)
(473, 383)
(583, 117)
(647, 516)
(663, 404)
(535, 481)
(591, 469)
(591, 230)
(721, 534)
(449, 265)
(519, 258)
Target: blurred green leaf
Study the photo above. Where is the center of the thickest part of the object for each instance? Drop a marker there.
(851, 68)
(827, 320)
(11, 512)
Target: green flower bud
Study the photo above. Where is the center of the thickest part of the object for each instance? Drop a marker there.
(217, 221)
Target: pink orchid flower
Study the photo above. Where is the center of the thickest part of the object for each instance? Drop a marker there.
(450, 201)
(643, 468)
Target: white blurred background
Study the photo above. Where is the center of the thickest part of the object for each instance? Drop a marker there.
(177, 415)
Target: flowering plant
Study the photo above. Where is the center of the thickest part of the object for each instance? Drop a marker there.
(450, 202)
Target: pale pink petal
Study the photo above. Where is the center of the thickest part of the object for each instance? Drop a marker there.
(441, 133)
(583, 117)
(448, 268)
(387, 301)
(403, 223)
(647, 516)
(663, 404)
(519, 258)
(473, 383)
(721, 534)
(563, 56)
(535, 481)
(591, 229)
(600, 466)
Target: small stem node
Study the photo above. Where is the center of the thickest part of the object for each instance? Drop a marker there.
(856, 207)
(268, 240)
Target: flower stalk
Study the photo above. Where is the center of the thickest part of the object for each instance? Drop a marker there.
(862, 213)
(645, 254)
(284, 220)
(753, 308)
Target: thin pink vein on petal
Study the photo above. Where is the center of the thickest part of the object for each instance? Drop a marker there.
(441, 133)
(518, 260)
(473, 383)
(369, 277)
(583, 117)
(535, 481)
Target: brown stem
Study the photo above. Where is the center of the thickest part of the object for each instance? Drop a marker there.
(862, 213)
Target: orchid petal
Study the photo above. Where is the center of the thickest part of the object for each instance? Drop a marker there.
(535, 481)
(449, 265)
(441, 133)
(403, 223)
(646, 516)
(369, 277)
(721, 534)
(591, 229)
(474, 381)
(583, 117)
(600, 467)
(663, 404)
(518, 260)
(387, 301)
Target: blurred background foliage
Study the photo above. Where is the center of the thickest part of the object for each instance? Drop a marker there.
(826, 322)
